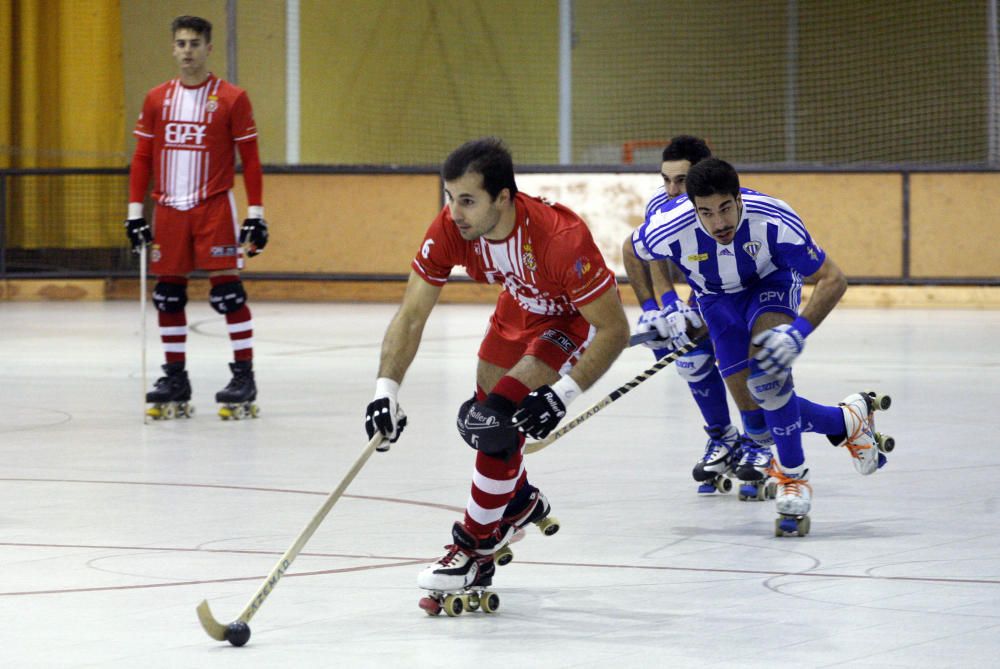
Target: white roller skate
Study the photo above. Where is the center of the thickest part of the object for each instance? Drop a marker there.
(237, 398)
(713, 469)
(528, 506)
(458, 581)
(867, 446)
(751, 470)
(171, 394)
(792, 501)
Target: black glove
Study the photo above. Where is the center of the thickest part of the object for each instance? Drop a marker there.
(387, 417)
(138, 232)
(539, 412)
(254, 233)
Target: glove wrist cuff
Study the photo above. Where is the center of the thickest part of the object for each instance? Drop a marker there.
(134, 210)
(386, 387)
(255, 211)
(803, 326)
(669, 297)
(650, 305)
(567, 389)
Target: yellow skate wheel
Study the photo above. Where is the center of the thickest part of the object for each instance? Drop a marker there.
(885, 443)
(503, 556)
(490, 602)
(225, 413)
(254, 410)
(453, 605)
(548, 525)
(154, 412)
(880, 401)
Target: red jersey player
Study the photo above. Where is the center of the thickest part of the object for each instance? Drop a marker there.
(557, 327)
(186, 134)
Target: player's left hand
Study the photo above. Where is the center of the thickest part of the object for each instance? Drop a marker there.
(253, 234)
(780, 346)
(540, 412)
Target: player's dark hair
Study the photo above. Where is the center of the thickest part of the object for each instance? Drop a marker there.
(195, 23)
(487, 156)
(712, 176)
(687, 147)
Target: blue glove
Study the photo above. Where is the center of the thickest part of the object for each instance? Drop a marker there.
(781, 345)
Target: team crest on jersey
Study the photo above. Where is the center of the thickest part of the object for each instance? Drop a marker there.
(582, 266)
(528, 257)
(154, 253)
(752, 248)
(213, 103)
(698, 257)
(222, 251)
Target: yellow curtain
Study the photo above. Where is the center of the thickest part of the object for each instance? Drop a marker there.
(62, 105)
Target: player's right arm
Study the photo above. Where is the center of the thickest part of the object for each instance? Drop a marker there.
(402, 338)
(399, 348)
(140, 172)
(640, 278)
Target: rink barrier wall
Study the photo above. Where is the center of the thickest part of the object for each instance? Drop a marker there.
(909, 237)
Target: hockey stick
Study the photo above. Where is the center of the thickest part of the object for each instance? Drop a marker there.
(221, 632)
(142, 326)
(612, 397)
(642, 338)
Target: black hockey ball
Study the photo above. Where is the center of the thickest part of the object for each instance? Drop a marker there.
(237, 633)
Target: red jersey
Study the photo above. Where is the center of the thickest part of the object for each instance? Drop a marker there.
(193, 131)
(549, 263)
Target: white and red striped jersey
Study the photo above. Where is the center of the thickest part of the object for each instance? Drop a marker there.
(194, 131)
(549, 263)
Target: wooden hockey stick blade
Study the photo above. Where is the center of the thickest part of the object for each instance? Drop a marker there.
(212, 627)
(613, 396)
(217, 630)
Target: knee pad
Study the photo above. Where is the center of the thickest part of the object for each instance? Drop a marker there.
(695, 365)
(488, 430)
(770, 391)
(169, 298)
(227, 297)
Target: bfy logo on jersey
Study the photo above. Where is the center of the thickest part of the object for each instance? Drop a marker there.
(185, 133)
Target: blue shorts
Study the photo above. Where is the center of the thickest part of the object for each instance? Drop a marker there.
(730, 316)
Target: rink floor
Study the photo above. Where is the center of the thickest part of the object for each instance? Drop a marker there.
(112, 530)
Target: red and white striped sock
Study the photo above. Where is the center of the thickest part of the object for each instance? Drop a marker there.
(173, 327)
(239, 323)
(494, 480)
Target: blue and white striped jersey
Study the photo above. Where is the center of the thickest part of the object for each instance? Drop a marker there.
(771, 236)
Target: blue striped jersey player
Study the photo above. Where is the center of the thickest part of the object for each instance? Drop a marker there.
(697, 366)
(746, 254)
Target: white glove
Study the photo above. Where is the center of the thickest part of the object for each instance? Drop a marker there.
(780, 346)
(384, 413)
(679, 315)
(653, 320)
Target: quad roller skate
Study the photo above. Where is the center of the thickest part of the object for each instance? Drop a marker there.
(458, 581)
(713, 469)
(751, 471)
(793, 500)
(867, 447)
(237, 398)
(171, 394)
(528, 506)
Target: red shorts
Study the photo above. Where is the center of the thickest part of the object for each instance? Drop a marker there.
(205, 237)
(515, 333)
